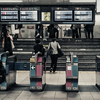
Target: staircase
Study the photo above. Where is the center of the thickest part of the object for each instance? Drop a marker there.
(85, 49)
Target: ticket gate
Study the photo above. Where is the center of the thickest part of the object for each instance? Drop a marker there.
(37, 72)
(71, 73)
(8, 63)
(98, 71)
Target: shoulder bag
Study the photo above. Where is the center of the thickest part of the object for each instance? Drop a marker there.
(60, 53)
(50, 51)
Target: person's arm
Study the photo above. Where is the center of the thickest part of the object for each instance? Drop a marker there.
(11, 38)
(3, 42)
(59, 46)
(49, 46)
(58, 26)
(43, 47)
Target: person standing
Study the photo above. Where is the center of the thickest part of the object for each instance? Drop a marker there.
(37, 32)
(85, 30)
(51, 31)
(54, 57)
(56, 26)
(78, 30)
(74, 31)
(6, 43)
(90, 30)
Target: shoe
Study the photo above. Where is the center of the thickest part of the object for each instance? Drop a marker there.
(54, 72)
(50, 70)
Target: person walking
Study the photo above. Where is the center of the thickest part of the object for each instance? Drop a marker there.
(6, 43)
(39, 47)
(54, 56)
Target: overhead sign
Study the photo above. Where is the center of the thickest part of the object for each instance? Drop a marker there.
(82, 15)
(28, 16)
(63, 15)
(9, 15)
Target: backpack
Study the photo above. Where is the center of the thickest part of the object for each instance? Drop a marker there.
(2, 73)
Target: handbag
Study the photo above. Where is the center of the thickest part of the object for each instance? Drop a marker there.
(60, 53)
(50, 51)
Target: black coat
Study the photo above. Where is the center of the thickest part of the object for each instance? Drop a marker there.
(90, 27)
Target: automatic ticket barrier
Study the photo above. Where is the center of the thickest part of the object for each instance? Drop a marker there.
(37, 72)
(8, 63)
(98, 71)
(71, 73)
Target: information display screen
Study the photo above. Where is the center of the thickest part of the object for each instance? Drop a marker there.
(63, 15)
(9, 15)
(28, 15)
(82, 15)
(45, 16)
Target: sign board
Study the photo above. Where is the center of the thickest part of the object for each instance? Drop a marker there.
(63, 15)
(82, 15)
(9, 14)
(28, 16)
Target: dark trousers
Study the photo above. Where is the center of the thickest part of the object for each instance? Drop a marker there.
(74, 33)
(8, 49)
(85, 33)
(56, 31)
(91, 34)
(78, 32)
(54, 59)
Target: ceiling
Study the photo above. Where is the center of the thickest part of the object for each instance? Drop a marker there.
(42, 2)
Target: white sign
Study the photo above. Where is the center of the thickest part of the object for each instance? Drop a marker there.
(69, 68)
(98, 6)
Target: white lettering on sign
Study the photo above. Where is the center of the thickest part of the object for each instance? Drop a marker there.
(69, 68)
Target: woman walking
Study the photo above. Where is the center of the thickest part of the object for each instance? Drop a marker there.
(6, 44)
(54, 56)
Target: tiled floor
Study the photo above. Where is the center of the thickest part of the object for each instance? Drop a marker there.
(54, 89)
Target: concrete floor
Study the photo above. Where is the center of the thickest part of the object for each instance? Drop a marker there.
(54, 89)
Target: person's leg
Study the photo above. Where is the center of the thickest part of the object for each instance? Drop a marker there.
(57, 33)
(92, 34)
(89, 34)
(79, 32)
(55, 62)
(85, 33)
(72, 33)
(76, 32)
(51, 63)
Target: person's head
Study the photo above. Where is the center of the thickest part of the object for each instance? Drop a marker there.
(7, 33)
(53, 40)
(37, 41)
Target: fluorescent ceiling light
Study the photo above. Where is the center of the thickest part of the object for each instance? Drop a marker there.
(82, 0)
(11, 0)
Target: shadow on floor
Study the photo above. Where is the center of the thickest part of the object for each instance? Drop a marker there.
(82, 88)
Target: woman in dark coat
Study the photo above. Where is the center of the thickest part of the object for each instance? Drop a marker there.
(6, 44)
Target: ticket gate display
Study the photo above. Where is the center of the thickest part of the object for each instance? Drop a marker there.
(37, 72)
(71, 73)
(8, 63)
